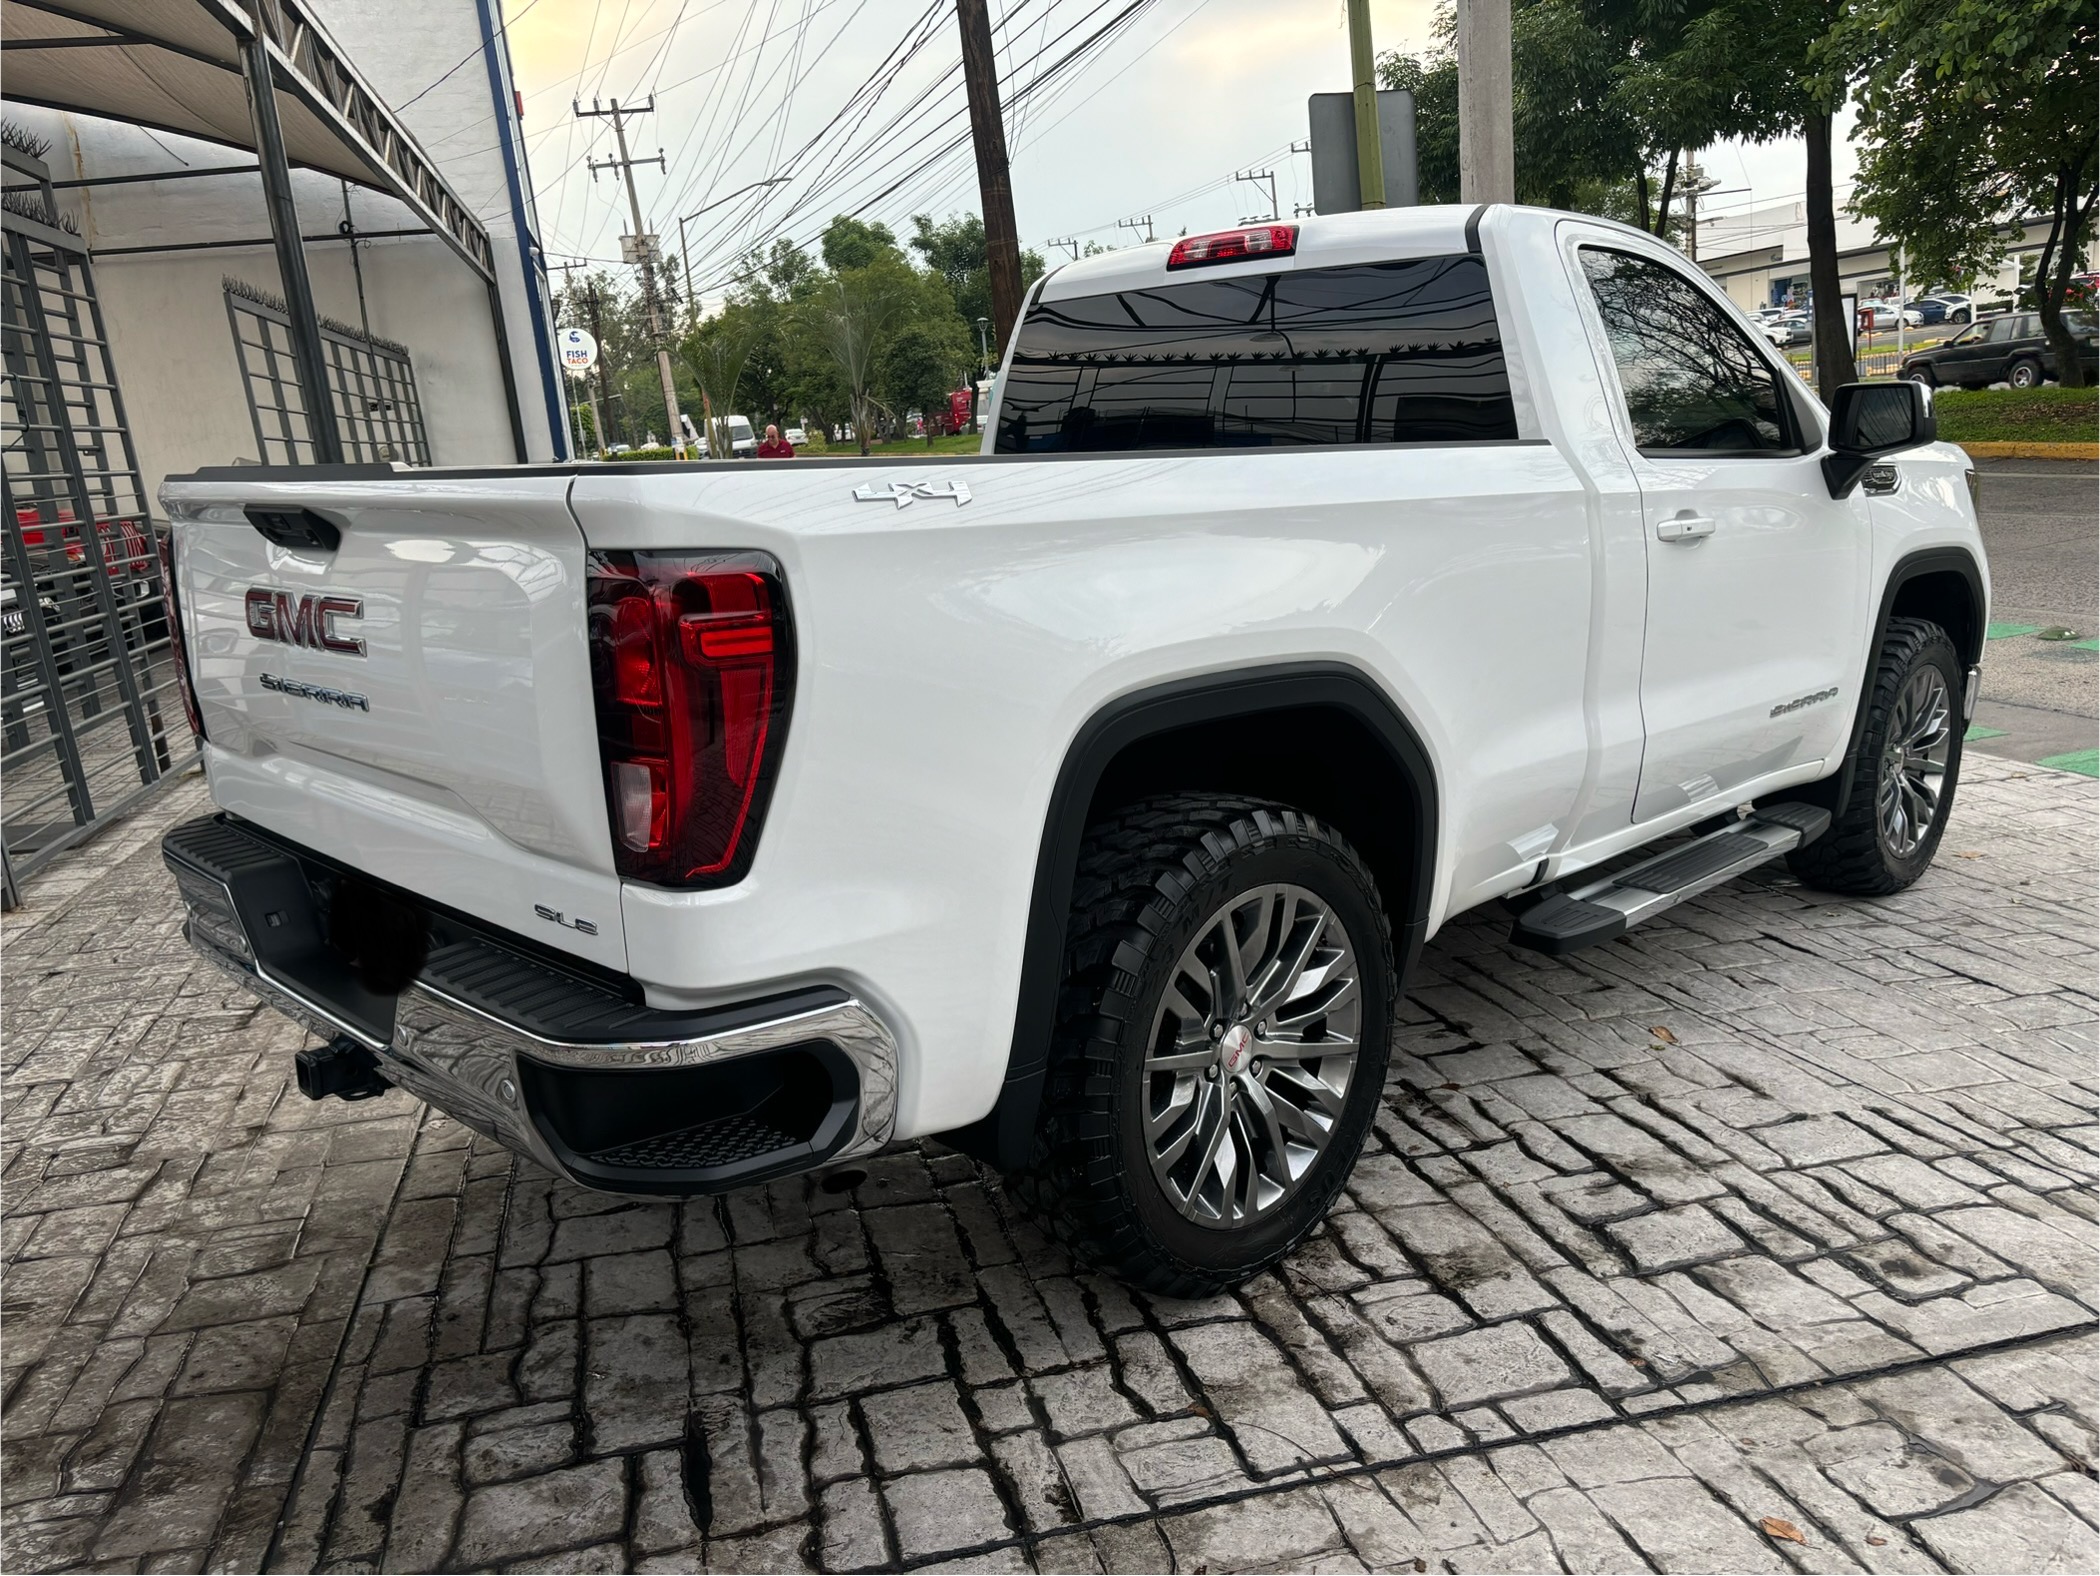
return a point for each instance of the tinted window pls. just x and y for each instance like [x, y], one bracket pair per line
[1381, 353]
[2029, 327]
[1691, 377]
[2001, 329]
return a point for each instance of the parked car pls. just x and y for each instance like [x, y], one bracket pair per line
[1928, 310]
[1087, 800]
[1877, 315]
[1794, 328]
[2008, 349]
[796, 436]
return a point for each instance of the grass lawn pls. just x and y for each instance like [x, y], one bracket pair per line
[2043, 415]
[912, 448]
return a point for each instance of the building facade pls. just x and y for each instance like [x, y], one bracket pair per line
[1760, 256]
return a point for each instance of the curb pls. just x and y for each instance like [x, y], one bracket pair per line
[2033, 451]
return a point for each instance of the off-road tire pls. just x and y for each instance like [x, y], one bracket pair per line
[1150, 877]
[1852, 856]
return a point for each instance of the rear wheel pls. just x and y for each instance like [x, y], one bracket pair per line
[1221, 1042]
[1884, 836]
[2024, 374]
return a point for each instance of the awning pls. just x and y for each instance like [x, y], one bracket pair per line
[175, 65]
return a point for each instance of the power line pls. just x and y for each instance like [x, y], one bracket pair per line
[1044, 79]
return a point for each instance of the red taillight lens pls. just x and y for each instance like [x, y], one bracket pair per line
[1232, 246]
[691, 667]
[178, 653]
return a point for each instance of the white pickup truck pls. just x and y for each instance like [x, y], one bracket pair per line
[1086, 801]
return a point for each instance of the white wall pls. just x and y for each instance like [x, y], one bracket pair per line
[173, 347]
[170, 338]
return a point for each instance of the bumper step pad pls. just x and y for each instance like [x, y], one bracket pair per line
[1603, 910]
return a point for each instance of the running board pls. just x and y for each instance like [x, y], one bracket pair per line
[1570, 921]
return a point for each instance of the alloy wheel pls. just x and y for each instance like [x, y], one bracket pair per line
[1251, 1054]
[1914, 763]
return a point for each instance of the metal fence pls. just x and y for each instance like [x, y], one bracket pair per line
[90, 719]
[370, 380]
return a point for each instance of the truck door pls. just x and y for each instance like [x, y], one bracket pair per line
[1757, 577]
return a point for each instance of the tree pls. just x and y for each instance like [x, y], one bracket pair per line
[955, 250]
[846, 319]
[851, 243]
[717, 353]
[1606, 96]
[1979, 113]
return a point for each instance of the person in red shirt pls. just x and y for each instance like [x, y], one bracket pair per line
[774, 446]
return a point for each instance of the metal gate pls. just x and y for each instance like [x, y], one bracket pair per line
[90, 720]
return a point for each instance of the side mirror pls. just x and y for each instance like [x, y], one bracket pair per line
[1869, 420]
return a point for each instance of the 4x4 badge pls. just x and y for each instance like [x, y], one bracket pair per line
[904, 493]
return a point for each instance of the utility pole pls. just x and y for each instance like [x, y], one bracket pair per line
[1135, 225]
[1069, 242]
[1261, 180]
[644, 249]
[1487, 164]
[1370, 149]
[995, 191]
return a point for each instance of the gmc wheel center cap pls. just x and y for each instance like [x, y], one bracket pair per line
[1234, 1046]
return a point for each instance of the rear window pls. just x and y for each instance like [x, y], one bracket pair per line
[1405, 352]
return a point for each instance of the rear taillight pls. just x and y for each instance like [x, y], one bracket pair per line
[178, 653]
[1234, 246]
[692, 668]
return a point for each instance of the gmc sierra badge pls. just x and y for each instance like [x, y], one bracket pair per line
[304, 620]
[319, 692]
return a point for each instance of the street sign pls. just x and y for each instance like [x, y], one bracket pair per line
[1333, 118]
[641, 249]
[579, 352]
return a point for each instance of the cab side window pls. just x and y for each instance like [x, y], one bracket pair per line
[1691, 377]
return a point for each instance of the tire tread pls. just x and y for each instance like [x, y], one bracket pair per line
[1137, 872]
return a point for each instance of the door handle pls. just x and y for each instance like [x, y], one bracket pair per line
[1684, 528]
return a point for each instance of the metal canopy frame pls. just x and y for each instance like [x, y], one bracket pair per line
[275, 41]
[308, 67]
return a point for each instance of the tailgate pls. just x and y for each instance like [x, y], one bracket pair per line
[400, 680]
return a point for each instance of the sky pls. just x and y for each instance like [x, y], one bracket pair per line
[1154, 120]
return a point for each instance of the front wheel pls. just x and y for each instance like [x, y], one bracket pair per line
[1884, 836]
[1221, 1042]
[1924, 375]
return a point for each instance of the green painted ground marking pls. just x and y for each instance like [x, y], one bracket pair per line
[2007, 631]
[2086, 645]
[2084, 762]
[1978, 731]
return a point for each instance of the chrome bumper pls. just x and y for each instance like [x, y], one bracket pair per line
[469, 1062]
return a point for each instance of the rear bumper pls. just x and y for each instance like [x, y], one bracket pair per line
[565, 1068]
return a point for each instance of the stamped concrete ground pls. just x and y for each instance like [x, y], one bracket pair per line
[1760, 1240]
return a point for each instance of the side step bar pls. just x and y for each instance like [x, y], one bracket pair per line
[1570, 921]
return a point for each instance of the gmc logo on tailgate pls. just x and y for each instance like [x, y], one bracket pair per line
[304, 620]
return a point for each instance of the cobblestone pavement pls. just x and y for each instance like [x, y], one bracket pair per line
[1772, 1222]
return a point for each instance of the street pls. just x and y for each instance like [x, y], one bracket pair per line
[1761, 1240]
[2038, 526]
